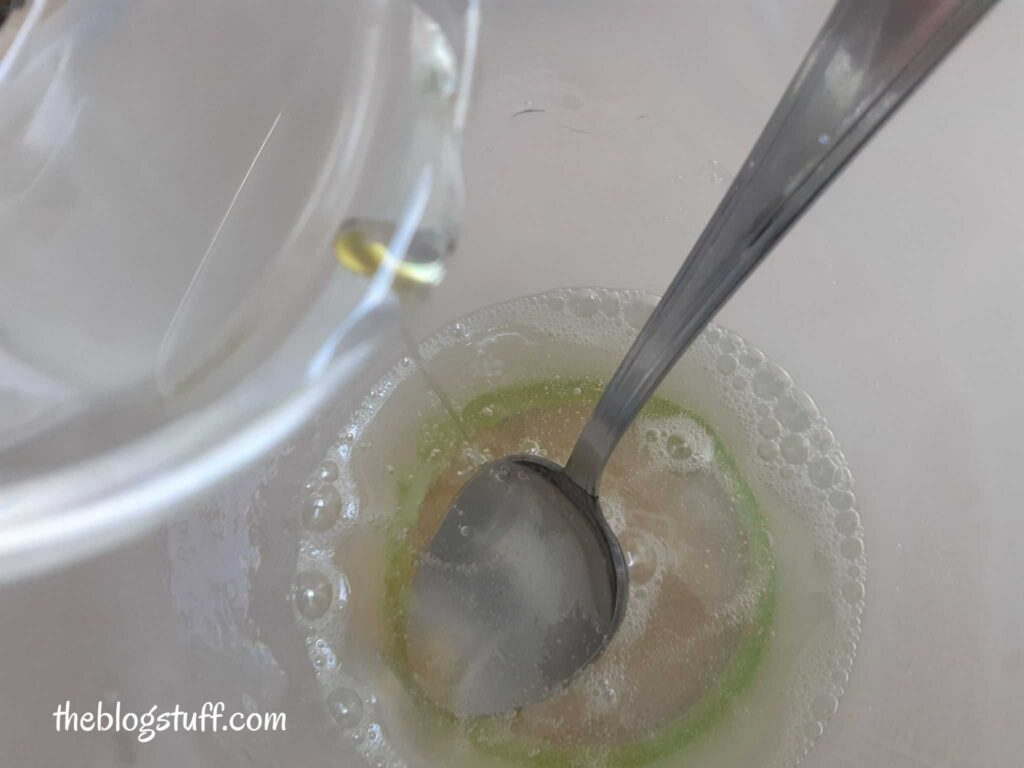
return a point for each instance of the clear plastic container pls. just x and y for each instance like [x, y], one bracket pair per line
[600, 141]
[176, 179]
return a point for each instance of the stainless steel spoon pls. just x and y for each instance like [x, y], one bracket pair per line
[524, 583]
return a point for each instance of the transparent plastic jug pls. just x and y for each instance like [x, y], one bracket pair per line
[176, 180]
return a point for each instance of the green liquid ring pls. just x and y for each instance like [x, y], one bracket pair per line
[437, 448]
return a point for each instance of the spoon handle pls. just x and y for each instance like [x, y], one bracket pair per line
[867, 58]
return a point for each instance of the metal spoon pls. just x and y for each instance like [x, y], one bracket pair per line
[524, 583]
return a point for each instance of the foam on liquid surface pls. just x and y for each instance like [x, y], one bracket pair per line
[730, 496]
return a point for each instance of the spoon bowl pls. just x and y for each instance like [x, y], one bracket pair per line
[522, 585]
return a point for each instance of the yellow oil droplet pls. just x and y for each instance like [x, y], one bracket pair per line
[362, 247]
